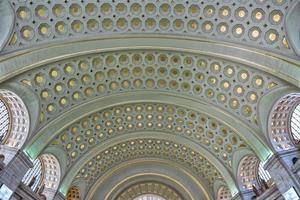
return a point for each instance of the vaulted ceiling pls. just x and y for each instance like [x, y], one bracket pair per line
[169, 94]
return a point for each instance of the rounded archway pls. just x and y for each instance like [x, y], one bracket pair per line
[295, 123]
[149, 197]
[150, 190]
[14, 123]
[252, 174]
[44, 177]
[223, 193]
[284, 122]
[5, 120]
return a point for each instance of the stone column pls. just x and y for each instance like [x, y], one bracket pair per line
[15, 170]
[281, 166]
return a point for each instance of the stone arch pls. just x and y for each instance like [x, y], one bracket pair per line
[60, 155]
[157, 134]
[251, 173]
[44, 177]
[133, 172]
[74, 193]
[283, 120]
[223, 193]
[84, 167]
[52, 174]
[5, 120]
[149, 197]
[15, 120]
[217, 186]
[149, 191]
[247, 172]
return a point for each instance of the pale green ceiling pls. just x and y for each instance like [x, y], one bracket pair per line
[197, 75]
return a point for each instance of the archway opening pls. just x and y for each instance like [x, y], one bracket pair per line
[44, 177]
[251, 174]
[149, 197]
[223, 193]
[14, 124]
[284, 123]
[295, 123]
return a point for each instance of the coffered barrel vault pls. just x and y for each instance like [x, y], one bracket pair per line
[149, 99]
[233, 86]
[258, 23]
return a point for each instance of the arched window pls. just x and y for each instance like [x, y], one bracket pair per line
[149, 197]
[33, 177]
[295, 123]
[14, 124]
[52, 171]
[149, 190]
[19, 116]
[51, 175]
[224, 193]
[264, 174]
[44, 177]
[74, 193]
[251, 172]
[284, 122]
[5, 120]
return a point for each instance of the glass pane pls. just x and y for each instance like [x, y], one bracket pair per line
[4, 120]
[36, 172]
[263, 174]
[295, 123]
